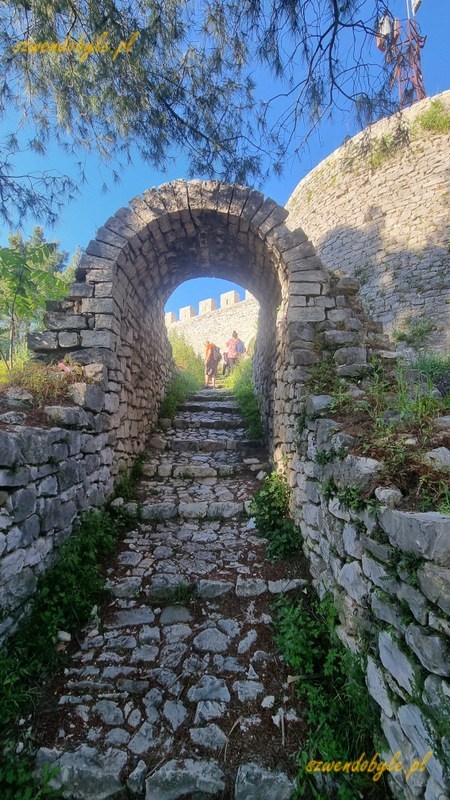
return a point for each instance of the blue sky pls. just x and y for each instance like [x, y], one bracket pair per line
[83, 216]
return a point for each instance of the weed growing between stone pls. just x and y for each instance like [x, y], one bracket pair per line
[63, 601]
[241, 383]
[341, 717]
[415, 331]
[270, 508]
[393, 424]
[351, 498]
[125, 484]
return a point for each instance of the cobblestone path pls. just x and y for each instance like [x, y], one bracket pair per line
[176, 690]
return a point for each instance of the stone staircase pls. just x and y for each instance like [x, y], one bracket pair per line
[176, 690]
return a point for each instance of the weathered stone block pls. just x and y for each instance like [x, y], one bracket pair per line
[390, 612]
[416, 602]
[426, 534]
[90, 397]
[304, 357]
[69, 416]
[379, 575]
[415, 727]
[11, 565]
[99, 305]
[396, 662]
[431, 650]
[434, 582]
[439, 458]
[78, 290]
[315, 404]
[9, 450]
[61, 321]
[348, 285]
[350, 355]
[341, 337]
[102, 338]
[21, 504]
[356, 471]
[68, 339]
[89, 772]
[377, 687]
[14, 477]
[44, 340]
[352, 580]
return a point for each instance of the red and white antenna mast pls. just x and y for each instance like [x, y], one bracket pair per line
[401, 41]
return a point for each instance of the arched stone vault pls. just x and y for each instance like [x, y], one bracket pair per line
[114, 314]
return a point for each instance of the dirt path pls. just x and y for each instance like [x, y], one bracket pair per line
[176, 690]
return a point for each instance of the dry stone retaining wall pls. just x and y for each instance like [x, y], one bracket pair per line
[388, 571]
[47, 478]
[378, 209]
[216, 324]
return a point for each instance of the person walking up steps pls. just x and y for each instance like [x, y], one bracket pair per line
[232, 350]
[212, 358]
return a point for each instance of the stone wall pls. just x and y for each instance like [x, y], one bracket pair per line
[48, 477]
[216, 324]
[388, 570]
[378, 209]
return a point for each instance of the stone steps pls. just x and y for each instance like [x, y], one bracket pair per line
[149, 703]
[217, 408]
[182, 423]
[212, 469]
[212, 445]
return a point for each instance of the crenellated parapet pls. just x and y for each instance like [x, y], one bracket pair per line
[216, 323]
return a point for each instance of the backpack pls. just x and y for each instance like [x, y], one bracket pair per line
[240, 348]
[216, 355]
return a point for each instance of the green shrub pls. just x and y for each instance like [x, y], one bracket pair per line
[436, 118]
[340, 716]
[186, 359]
[415, 331]
[63, 600]
[270, 507]
[241, 383]
[188, 378]
[179, 388]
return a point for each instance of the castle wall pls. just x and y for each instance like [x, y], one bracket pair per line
[216, 324]
[378, 209]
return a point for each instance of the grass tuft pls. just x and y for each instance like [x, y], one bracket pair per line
[436, 118]
[46, 383]
[241, 383]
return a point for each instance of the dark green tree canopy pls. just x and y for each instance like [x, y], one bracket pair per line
[187, 83]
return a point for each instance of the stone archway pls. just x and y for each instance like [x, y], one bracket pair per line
[114, 314]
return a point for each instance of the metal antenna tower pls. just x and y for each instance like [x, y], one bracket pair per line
[401, 41]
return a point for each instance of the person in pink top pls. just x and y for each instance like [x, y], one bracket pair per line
[232, 350]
